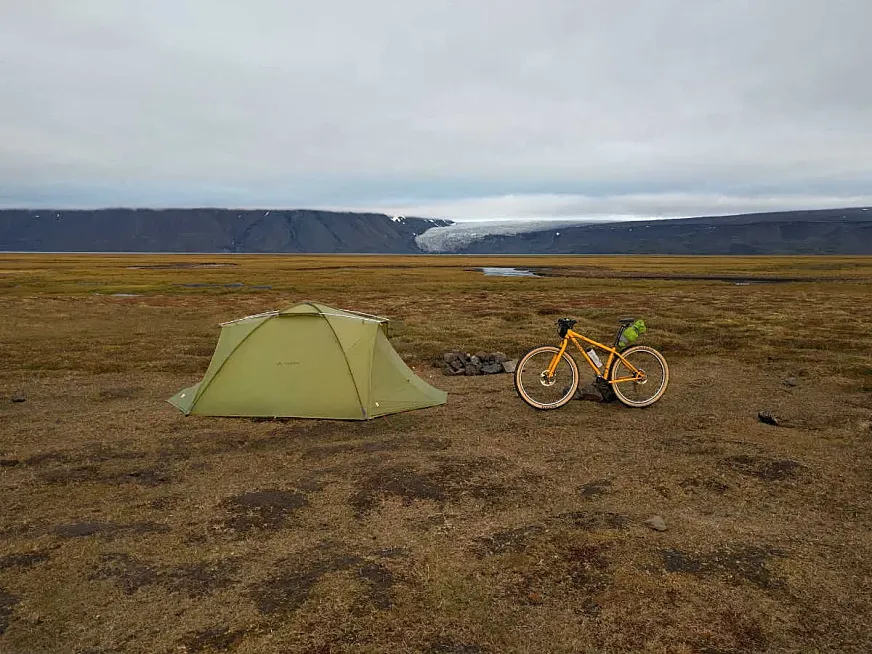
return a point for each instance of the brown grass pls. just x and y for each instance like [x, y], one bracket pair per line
[479, 526]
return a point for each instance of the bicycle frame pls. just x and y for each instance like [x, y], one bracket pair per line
[575, 337]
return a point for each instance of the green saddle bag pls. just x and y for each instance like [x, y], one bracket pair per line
[631, 333]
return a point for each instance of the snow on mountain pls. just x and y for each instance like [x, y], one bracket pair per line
[420, 225]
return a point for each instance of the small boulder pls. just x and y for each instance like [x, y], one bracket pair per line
[588, 392]
[605, 389]
[448, 357]
[656, 523]
[492, 368]
[457, 364]
[472, 369]
[475, 360]
[509, 366]
[19, 397]
[767, 418]
[498, 357]
[791, 382]
[448, 370]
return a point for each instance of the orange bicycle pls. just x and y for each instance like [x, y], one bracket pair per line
[547, 376]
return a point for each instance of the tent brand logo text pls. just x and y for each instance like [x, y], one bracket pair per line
[287, 363]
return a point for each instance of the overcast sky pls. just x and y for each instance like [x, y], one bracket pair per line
[458, 109]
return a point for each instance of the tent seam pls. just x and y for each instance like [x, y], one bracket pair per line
[345, 356]
[229, 356]
[371, 359]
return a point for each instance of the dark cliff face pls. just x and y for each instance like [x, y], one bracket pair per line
[830, 231]
[208, 230]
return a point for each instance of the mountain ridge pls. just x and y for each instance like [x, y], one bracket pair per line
[819, 231]
[216, 230]
[209, 230]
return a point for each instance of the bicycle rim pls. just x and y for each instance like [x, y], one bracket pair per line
[656, 376]
[536, 388]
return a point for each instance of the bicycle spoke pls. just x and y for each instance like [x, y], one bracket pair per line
[540, 389]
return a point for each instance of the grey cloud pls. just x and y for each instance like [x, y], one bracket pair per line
[397, 103]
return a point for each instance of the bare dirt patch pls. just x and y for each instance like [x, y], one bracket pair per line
[704, 484]
[452, 479]
[7, 604]
[269, 509]
[595, 488]
[214, 639]
[765, 468]
[24, 560]
[47, 457]
[82, 529]
[509, 540]
[380, 581]
[146, 477]
[593, 520]
[287, 590]
[744, 563]
[517, 539]
[194, 580]
[445, 646]
[127, 572]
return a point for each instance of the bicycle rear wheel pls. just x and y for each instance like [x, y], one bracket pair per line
[536, 388]
[644, 392]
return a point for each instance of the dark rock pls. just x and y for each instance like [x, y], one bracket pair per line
[480, 363]
[9, 463]
[19, 397]
[509, 366]
[768, 418]
[588, 392]
[448, 370]
[605, 389]
[791, 381]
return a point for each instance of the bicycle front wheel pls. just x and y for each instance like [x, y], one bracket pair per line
[642, 392]
[536, 387]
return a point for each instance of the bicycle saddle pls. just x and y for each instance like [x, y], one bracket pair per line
[626, 321]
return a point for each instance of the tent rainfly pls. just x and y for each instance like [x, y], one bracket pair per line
[308, 361]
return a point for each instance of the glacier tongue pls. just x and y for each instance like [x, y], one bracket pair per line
[456, 237]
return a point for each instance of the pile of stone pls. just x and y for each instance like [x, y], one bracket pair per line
[480, 363]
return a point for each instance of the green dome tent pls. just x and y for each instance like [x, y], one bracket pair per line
[309, 361]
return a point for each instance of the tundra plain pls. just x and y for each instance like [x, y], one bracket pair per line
[475, 527]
